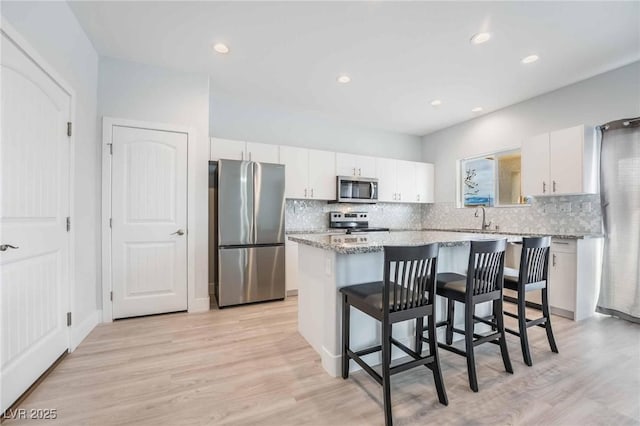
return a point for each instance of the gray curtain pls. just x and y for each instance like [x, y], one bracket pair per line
[620, 193]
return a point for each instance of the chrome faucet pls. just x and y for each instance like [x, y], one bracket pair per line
[485, 225]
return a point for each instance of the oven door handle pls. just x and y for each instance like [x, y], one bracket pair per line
[373, 190]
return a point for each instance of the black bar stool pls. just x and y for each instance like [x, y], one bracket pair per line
[532, 275]
[483, 283]
[406, 292]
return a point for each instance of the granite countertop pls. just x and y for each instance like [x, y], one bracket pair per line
[522, 234]
[335, 231]
[375, 241]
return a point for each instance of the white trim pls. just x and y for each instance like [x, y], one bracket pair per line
[200, 304]
[33, 54]
[81, 331]
[193, 304]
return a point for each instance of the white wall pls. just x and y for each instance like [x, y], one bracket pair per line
[141, 92]
[237, 119]
[606, 97]
[52, 29]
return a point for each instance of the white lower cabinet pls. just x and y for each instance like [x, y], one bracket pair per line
[562, 282]
[574, 276]
[291, 262]
[309, 173]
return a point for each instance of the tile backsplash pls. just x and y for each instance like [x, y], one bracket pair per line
[575, 214]
[313, 215]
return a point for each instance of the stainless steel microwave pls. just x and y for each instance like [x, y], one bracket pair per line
[352, 189]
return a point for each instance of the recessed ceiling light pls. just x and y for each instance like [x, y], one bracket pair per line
[221, 48]
[344, 79]
[436, 102]
[480, 38]
[530, 59]
[477, 109]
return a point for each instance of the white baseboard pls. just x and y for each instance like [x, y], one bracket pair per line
[80, 331]
[200, 304]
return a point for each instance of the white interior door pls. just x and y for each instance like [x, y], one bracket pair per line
[149, 221]
[34, 273]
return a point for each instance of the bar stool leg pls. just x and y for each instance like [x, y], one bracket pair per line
[503, 340]
[547, 325]
[522, 328]
[419, 333]
[435, 367]
[468, 339]
[450, 318]
[386, 373]
[346, 311]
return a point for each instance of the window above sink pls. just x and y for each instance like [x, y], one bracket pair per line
[490, 180]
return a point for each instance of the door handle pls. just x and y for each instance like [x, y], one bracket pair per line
[305, 193]
[311, 192]
[373, 190]
[5, 247]
[178, 232]
[359, 172]
[554, 259]
[544, 187]
[554, 186]
[354, 171]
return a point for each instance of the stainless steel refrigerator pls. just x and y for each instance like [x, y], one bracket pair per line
[250, 232]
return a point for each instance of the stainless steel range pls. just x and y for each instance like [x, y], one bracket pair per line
[353, 222]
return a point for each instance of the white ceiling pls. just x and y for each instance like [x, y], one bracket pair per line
[400, 55]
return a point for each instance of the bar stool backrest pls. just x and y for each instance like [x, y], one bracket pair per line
[534, 260]
[486, 266]
[409, 276]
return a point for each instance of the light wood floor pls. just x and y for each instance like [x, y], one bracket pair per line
[249, 366]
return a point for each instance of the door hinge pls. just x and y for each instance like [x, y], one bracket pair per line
[68, 224]
[69, 126]
[110, 148]
[111, 296]
[68, 319]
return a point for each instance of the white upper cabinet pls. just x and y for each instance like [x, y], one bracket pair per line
[425, 178]
[309, 173]
[322, 175]
[296, 166]
[229, 149]
[535, 165]
[355, 165]
[404, 181]
[386, 174]
[561, 162]
[263, 153]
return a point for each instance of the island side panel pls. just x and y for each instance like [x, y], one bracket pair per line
[313, 278]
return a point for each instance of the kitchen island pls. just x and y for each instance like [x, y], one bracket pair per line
[328, 262]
